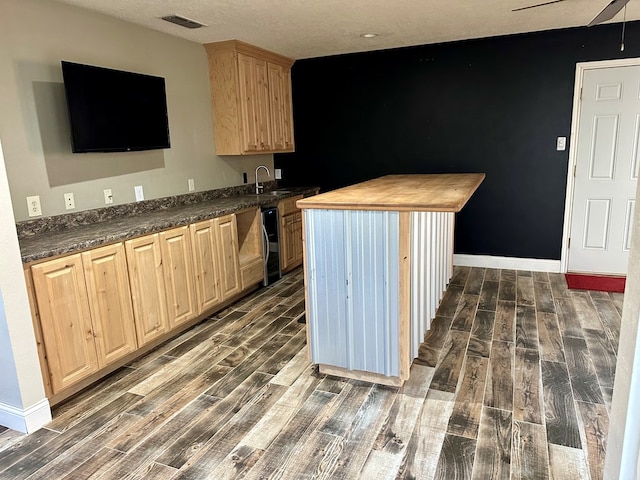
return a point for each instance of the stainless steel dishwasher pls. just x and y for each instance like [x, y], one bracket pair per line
[271, 244]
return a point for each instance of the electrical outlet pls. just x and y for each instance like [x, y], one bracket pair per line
[139, 193]
[108, 197]
[192, 185]
[69, 202]
[33, 206]
[278, 173]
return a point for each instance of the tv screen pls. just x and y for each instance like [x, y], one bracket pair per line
[115, 111]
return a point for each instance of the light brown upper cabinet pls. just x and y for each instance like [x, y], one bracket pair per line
[251, 98]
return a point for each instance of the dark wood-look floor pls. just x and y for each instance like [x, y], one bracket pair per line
[513, 381]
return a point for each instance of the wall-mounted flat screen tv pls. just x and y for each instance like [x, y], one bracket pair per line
[115, 111]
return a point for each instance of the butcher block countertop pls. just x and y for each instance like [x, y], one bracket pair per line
[419, 192]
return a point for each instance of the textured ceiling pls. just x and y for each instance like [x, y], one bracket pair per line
[316, 28]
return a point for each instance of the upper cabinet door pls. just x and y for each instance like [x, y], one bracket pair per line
[251, 98]
[281, 111]
[105, 271]
[65, 319]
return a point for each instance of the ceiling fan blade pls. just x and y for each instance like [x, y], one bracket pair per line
[608, 12]
[538, 5]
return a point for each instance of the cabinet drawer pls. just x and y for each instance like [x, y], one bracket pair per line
[288, 205]
[252, 273]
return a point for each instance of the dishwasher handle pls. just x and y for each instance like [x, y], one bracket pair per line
[265, 244]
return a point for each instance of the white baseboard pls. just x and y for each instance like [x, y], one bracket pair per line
[508, 263]
[25, 421]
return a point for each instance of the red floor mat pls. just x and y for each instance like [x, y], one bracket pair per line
[595, 282]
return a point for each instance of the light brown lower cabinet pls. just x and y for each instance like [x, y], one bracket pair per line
[94, 308]
[85, 313]
[291, 232]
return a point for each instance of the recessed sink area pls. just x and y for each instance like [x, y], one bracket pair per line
[276, 192]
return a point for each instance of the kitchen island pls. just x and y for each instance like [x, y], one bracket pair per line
[377, 258]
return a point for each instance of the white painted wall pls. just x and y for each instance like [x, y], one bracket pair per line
[35, 36]
[21, 388]
[623, 445]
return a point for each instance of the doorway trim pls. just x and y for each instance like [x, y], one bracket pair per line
[581, 67]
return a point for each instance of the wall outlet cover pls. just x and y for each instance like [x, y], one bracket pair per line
[192, 185]
[33, 206]
[139, 193]
[69, 201]
[278, 173]
[108, 196]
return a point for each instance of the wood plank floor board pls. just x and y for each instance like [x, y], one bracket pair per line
[295, 310]
[483, 325]
[244, 369]
[558, 284]
[450, 362]
[488, 299]
[79, 433]
[500, 376]
[507, 289]
[559, 406]
[549, 337]
[584, 380]
[567, 463]
[206, 425]
[594, 422]
[358, 441]
[460, 275]
[215, 450]
[73, 458]
[529, 454]
[610, 319]
[526, 328]
[527, 392]
[429, 350]
[456, 458]
[505, 322]
[275, 419]
[421, 455]
[524, 291]
[162, 413]
[465, 417]
[474, 281]
[479, 347]
[493, 448]
[449, 303]
[93, 467]
[586, 314]
[544, 297]
[387, 433]
[602, 355]
[465, 313]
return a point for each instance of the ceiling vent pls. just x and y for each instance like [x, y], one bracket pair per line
[183, 21]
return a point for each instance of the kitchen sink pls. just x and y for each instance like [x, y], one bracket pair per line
[276, 192]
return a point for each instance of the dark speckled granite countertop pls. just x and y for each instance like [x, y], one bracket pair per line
[75, 238]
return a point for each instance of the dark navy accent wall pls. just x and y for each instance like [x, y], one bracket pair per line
[492, 105]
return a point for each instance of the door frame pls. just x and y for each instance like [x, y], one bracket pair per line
[581, 68]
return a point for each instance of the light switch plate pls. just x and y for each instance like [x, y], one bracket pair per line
[561, 143]
[192, 185]
[278, 173]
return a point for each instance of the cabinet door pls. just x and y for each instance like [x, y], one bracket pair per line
[105, 273]
[263, 109]
[65, 319]
[288, 242]
[205, 264]
[280, 103]
[227, 235]
[247, 100]
[175, 246]
[147, 287]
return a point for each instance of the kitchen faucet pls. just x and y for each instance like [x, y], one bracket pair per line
[259, 186]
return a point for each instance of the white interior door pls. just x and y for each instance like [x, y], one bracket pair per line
[606, 171]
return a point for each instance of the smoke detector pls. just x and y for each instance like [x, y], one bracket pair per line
[183, 21]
